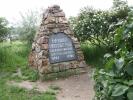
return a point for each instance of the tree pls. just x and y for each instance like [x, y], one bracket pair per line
[120, 9]
[4, 30]
[98, 26]
[28, 26]
[115, 80]
[92, 25]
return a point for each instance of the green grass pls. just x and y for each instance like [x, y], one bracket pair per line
[93, 54]
[14, 93]
[14, 57]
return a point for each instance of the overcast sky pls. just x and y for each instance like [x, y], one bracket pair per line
[11, 8]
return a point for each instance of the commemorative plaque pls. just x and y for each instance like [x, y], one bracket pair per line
[55, 48]
[61, 48]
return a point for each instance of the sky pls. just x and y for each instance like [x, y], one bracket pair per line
[10, 9]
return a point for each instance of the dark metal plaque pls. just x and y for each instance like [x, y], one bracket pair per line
[61, 48]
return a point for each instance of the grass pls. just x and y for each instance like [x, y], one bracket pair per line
[93, 54]
[14, 66]
[14, 93]
[14, 54]
[14, 57]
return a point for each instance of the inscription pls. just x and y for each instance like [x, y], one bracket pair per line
[61, 48]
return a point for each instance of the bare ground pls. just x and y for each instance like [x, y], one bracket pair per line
[77, 87]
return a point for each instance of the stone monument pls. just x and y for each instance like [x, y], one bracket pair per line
[55, 48]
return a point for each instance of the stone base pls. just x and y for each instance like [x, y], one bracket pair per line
[63, 66]
[63, 74]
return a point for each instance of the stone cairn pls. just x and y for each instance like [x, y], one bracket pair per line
[53, 21]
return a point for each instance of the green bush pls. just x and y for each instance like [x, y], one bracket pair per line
[93, 55]
[115, 81]
[98, 26]
[4, 29]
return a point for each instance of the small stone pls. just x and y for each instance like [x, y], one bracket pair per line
[59, 14]
[44, 46]
[51, 26]
[42, 40]
[44, 54]
[80, 57]
[44, 62]
[39, 55]
[50, 19]
[62, 20]
[60, 25]
[40, 34]
[66, 64]
[55, 30]
[82, 64]
[37, 48]
[71, 65]
[56, 69]
[31, 59]
[62, 67]
[67, 31]
[77, 46]
[39, 63]
[74, 39]
[57, 7]
[44, 70]
[33, 46]
[80, 52]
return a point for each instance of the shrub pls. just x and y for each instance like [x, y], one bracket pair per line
[115, 81]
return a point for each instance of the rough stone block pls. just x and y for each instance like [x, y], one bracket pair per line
[59, 14]
[62, 20]
[31, 59]
[55, 30]
[45, 62]
[62, 67]
[44, 46]
[77, 46]
[37, 48]
[82, 64]
[50, 19]
[42, 40]
[56, 69]
[51, 26]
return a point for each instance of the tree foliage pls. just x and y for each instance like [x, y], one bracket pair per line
[27, 26]
[4, 30]
[98, 26]
[115, 81]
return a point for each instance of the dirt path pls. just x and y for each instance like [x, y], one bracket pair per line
[78, 87]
